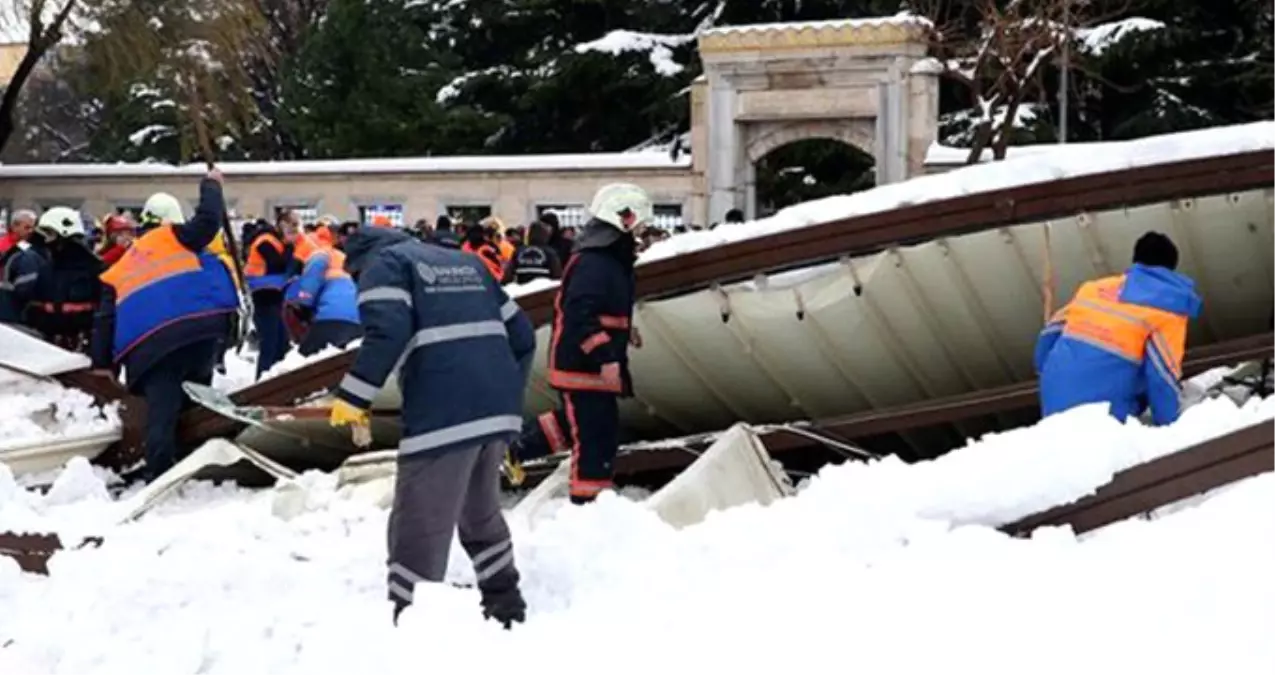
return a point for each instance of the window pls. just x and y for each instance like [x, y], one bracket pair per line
[392, 211]
[569, 215]
[468, 214]
[668, 216]
[308, 214]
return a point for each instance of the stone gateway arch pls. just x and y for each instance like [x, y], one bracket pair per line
[864, 82]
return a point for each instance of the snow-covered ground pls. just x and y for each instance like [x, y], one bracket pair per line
[883, 568]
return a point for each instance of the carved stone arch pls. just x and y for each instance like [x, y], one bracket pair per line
[766, 137]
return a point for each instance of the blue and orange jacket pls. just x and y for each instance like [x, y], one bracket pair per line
[168, 291]
[324, 286]
[1120, 341]
[267, 267]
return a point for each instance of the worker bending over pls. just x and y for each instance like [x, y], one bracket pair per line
[465, 351]
[1121, 339]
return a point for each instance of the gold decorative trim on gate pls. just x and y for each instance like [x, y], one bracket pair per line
[779, 36]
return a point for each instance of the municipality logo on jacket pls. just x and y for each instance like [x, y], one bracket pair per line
[449, 278]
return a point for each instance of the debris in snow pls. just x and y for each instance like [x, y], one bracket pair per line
[232, 588]
[241, 370]
[33, 411]
[1097, 39]
[660, 47]
[77, 482]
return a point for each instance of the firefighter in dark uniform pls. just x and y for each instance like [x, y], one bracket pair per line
[588, 353]
[68, 290]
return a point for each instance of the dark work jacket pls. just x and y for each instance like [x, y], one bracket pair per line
[533, 262]
[462, 349]
[445, 238]
[68, 291]
[593, 313]
[195, 235]
[20, 269]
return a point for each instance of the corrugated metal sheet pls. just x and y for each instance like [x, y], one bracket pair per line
[956, 314]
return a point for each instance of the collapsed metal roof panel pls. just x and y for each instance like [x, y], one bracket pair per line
[895, 325]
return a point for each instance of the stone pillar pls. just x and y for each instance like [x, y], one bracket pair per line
[726, 160]
[923, 115]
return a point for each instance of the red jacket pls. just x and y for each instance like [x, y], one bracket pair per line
[8, 241]
[112, 254]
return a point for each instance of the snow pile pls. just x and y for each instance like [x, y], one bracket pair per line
[211, 582]
[660, 47]
[35, 411]
[1097, 39]
[241, 370]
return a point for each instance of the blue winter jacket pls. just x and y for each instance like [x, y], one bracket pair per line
[1121, 340]
[331, 299]
[186, 298]
[461, 347]
[19, 281]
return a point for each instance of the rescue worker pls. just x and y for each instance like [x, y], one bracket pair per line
[444, 235]
[496, 234]
[324, 299]
[266, 274]
[557, 237]
[536, 260]
[67, 289]
[478, 241]
[20, 227]
[466, 352]
[1121, 339]
[19, 270]
[119, 232]
[166, 307]
[588, 353]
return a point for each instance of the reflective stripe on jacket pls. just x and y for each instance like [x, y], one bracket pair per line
[462, 349]
[159, 282]
[1121, 341]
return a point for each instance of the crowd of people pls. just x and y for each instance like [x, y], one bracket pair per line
[157, 305]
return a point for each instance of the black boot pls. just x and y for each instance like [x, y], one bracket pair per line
[506, 607]
[398, 609]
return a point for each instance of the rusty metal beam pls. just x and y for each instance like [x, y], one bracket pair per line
[1141, 489]
[935, 412]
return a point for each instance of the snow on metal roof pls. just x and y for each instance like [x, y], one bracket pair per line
[620, 161]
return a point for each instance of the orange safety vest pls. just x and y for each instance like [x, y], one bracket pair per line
[1097, 317]
[255, 269]
[490, 256]
[159, 282]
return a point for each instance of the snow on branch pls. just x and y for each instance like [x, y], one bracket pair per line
[997, 51]
[659, 47]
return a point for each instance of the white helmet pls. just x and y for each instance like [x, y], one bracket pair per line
[163, 208]
[60, 221]
[612, 201]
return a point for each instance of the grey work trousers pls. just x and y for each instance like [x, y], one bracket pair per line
[435, 495]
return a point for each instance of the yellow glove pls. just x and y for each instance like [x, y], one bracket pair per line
[359, 420]
[512, 468]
